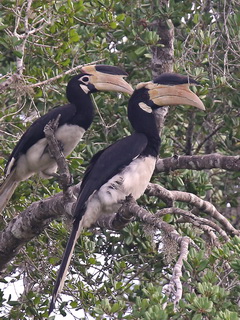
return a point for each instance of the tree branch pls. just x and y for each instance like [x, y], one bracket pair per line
[192, 199]
[200, 162]
[63, 74]
[202, 223]
[16, 77]
[131, 208]
[64, 178]
[175, 288]
[208, 137]
[27, 225]
[32, 221]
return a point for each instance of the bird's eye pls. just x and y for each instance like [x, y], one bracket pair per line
[84, 79]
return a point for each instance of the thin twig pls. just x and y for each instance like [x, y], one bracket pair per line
[208, 137]
[62, 74]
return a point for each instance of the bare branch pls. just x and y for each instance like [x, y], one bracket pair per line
[16, 77]
[175, 285]
[199, 222]
[209, 232]
[199, 162]
[27, 225]
[132, 208]
[62, 74]
[190, 198]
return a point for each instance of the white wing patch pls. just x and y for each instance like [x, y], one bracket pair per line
[145, 107]
[132, 180]
[10, 165]
[37, 158]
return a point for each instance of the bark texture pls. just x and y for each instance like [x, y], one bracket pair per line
[200, 162]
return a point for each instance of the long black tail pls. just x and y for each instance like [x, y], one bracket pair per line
[76, 230]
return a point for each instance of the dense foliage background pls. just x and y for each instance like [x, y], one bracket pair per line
[122, 275]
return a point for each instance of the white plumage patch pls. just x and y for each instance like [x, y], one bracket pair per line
[37, 158]
[132, 180]
[145, 107]
[84, 88]
[9, 167]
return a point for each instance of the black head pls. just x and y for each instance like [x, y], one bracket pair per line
[97, 78]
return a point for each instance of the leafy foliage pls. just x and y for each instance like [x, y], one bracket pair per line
[123, 275]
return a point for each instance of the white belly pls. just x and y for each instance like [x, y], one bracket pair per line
[133, 180]
[37, 158]
[69, 135]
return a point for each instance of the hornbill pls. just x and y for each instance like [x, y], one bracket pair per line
[31, 155]
[126, 166]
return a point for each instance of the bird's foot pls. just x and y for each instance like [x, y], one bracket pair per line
[65, 181]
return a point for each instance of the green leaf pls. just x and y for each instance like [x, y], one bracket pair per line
[140, 51]
[197, 317]
[74, 304]
[17, 54]
[13, 303]
[120, 17]
[113, 25]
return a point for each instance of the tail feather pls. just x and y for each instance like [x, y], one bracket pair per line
[7, 189]
[77, 228]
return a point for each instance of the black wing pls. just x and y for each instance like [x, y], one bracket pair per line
[107, 163]
[35, 131]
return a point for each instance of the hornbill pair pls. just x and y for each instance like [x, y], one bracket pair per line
[126, 166]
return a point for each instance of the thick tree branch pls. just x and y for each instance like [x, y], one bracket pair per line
[192, 199]
[130, 207]
[162, 54]
[209, 161]
[27, 225]
[32, 221]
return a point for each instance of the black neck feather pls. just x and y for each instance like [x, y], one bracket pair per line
[144, 122]
[82, 102]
